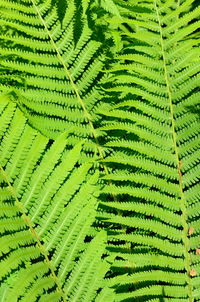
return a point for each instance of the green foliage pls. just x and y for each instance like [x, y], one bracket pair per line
[48, 205]
[99, 151]
[156, 155]
[54, 68]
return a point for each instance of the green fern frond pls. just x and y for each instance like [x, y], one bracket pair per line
[57, 78]
[48, 204]
[92, 267]
[84, 150]
[155, 135]
[110, 6]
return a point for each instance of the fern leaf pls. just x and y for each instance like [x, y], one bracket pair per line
[47, 204]
[56, 75]
[88, 264]
[155, 138]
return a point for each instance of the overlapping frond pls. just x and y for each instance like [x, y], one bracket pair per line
[56, 103]
[55, 78]
[154, 131]
[48, 204]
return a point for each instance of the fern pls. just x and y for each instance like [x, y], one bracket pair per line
[47, 209]
[156, 141]
[99, 150]
[55, 73]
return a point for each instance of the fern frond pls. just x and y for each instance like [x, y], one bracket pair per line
[47, 204]
[56, 78]
[90, 263]
[154, 132]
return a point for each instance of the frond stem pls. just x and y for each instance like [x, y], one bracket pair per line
[178, 163]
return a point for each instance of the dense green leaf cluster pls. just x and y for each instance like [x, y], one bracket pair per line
[99, 150]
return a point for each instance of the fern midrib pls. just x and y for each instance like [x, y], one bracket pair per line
[178, 161]
[34, 234]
